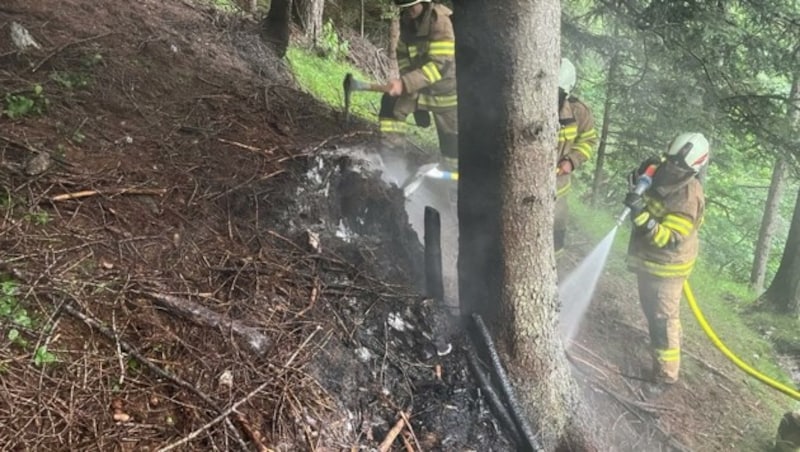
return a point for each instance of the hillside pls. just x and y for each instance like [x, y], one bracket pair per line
[194, 257]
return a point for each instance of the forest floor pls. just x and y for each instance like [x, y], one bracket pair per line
[192, 257]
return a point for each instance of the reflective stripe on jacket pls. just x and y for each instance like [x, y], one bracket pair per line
[426, 58]
[669, 247]
[577, 138]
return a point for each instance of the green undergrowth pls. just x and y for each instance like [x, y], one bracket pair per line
[725, 304]
[323, 77]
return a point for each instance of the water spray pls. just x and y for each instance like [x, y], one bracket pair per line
[431, 170]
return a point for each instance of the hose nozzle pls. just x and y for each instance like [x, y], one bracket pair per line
[642, 184]
[621, 218]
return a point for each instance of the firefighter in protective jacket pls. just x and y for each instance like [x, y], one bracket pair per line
[664, 245]
[427, 83]
[576, 139]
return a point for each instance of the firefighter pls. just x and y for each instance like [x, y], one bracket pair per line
[664, 245]
[427, 83]
[576, 139]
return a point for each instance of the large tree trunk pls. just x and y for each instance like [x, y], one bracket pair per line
[785, 288]
[598, 178]
[275, 27]
[767, 230]
[394, 38]
[311, 14]
[507, 121]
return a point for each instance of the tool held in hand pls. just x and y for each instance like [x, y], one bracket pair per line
[351, 84]
[642, 184]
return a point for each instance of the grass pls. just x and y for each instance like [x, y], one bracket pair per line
[323, 77]
[726, 306]
[721, 301]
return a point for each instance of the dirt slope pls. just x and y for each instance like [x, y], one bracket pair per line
[202, 178]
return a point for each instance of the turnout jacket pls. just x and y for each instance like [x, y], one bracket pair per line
[426, 58]
[664, 241]
[576, 139]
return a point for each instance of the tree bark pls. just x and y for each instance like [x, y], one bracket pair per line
[767, 230]
[507, 121]
[394, 38]
[784, 290]
[275, 27]
[597, 179]
[311, 15]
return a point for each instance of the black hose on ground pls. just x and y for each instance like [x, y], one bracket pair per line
[494, 400]
[434, 281]
[520, 421]
[522, 434]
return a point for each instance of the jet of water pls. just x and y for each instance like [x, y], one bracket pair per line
[576, 290]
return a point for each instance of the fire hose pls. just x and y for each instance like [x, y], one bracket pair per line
[698, 314]
[530, 441]
[510, 416]
[642, 183]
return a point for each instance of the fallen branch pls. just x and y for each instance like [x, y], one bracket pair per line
[404, 415]
[257, 342]
[64, 46]
[386, 444]
[312, 149]
[635, 408]
[222, 416]
[110, 192]
[247, 146]
[96, 325]
[238, 403]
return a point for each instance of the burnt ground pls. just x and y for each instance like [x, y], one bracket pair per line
[200, 244]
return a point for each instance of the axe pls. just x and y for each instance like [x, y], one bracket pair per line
[353, 84]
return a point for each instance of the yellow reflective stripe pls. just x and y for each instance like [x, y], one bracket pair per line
[661, 236]
[427, 100]
[669, 354]
[591, 133]
[568, 133]
[642, 218]
[583, 148]
[412, 51]
[563, 190]
[392, 126]
[442, 48]
[678, 223]
[403, 63]
[431, 72]
[662, 270]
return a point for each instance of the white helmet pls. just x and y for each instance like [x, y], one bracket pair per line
[407, 3]
[690, 150]
[566, 76]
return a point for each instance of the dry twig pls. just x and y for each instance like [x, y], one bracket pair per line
[64, 46]
[386, 444]
[109, 192]
[224, 415]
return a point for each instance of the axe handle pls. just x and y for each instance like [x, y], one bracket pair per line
[378, 88]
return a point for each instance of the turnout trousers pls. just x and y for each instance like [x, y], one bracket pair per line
[395, 110]
[660, 299]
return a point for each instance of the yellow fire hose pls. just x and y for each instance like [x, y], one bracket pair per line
[687, 291]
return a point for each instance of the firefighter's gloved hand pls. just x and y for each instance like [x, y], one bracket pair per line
[422, 118]
[643, 221]
[635, 202]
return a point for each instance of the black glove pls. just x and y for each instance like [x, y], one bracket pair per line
[422, 118]
[635, 202]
